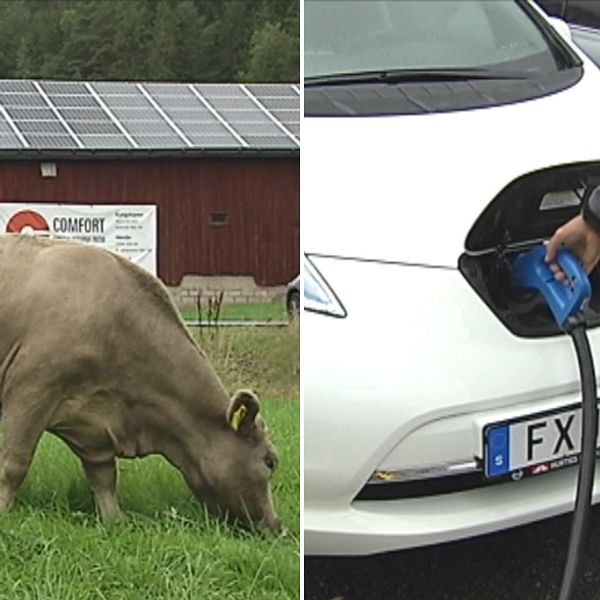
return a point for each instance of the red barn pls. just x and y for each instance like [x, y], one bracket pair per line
[219, 162]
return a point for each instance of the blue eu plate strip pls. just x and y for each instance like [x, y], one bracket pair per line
[498, 439]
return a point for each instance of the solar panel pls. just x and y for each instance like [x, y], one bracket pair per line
[232, 103]
[219, 90]
[64, 87]
[74, 101]
[192, 117]
[190, 102]
[84, 114]
[166, 89]
[263, 129]
[136, 100]
[200, 115]
[5, 128]
[125, 112]
[159, 141]
[8, 140]
[291, 116]
[13, 100]
[112, 87]
[214, 128]
[41, 127]
[244, 120]
[17, 86]
[51, 141]
[280, 103]
[251, 114]
[79, 111]
[146, 126]
[104, 115]
[270, 90]
[105, 142]
[86, 128]
[293, 128]
[32, 114]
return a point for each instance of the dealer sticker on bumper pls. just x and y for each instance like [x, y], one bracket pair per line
[533, 444]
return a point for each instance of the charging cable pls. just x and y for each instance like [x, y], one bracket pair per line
[567, 302]
[585, 480]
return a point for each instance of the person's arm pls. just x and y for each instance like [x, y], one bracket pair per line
[581, 235]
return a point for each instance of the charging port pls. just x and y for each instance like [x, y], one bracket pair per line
[523, 214]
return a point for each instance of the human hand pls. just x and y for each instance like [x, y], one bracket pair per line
[581, 239]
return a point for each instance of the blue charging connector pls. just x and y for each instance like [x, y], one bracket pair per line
[564, 298]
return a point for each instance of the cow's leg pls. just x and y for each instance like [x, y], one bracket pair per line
[102, 478]
[19, 442]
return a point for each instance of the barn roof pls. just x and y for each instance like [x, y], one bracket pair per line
[60, 118]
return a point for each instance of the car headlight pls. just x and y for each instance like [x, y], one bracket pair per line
[318, 296]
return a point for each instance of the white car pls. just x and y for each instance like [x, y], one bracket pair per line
[439, 140]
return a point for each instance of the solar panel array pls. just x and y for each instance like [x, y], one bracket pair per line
[52, 115]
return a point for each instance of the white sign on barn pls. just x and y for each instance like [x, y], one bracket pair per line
[129, 230]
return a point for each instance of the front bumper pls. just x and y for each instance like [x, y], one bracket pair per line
[406, 380]
[369, 527]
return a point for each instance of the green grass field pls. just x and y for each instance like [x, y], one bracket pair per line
[273, 311]
[52, 545]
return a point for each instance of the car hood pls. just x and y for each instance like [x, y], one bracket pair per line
[409, 188]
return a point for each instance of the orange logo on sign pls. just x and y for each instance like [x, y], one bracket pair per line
[26, 221]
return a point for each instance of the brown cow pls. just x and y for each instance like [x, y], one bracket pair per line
[93, 350]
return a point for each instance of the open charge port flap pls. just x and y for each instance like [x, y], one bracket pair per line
[523, 214]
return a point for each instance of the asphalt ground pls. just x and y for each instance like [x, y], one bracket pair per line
[524, 563]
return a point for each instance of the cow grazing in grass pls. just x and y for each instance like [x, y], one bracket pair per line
[93, 350]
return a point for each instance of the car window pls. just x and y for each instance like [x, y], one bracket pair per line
[355, 36]
[584, 12]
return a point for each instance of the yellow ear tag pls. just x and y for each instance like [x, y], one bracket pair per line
[237, 417]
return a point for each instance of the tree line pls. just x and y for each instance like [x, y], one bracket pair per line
[151, 40]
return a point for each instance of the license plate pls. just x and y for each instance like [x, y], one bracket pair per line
[533, 444]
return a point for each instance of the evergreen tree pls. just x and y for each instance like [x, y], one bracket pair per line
[39, 41]
[235, 26]
[274, 55]
[13, 19]
[163, 43]
[131, 40]
[196, 58]
[162, 40]
[88, 29]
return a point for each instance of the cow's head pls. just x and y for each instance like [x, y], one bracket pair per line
[238, 466]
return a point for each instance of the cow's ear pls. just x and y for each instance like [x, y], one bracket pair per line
[242, 411]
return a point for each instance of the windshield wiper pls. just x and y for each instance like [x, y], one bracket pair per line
[413, 75]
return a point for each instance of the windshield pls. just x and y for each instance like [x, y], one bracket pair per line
[344, 37]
